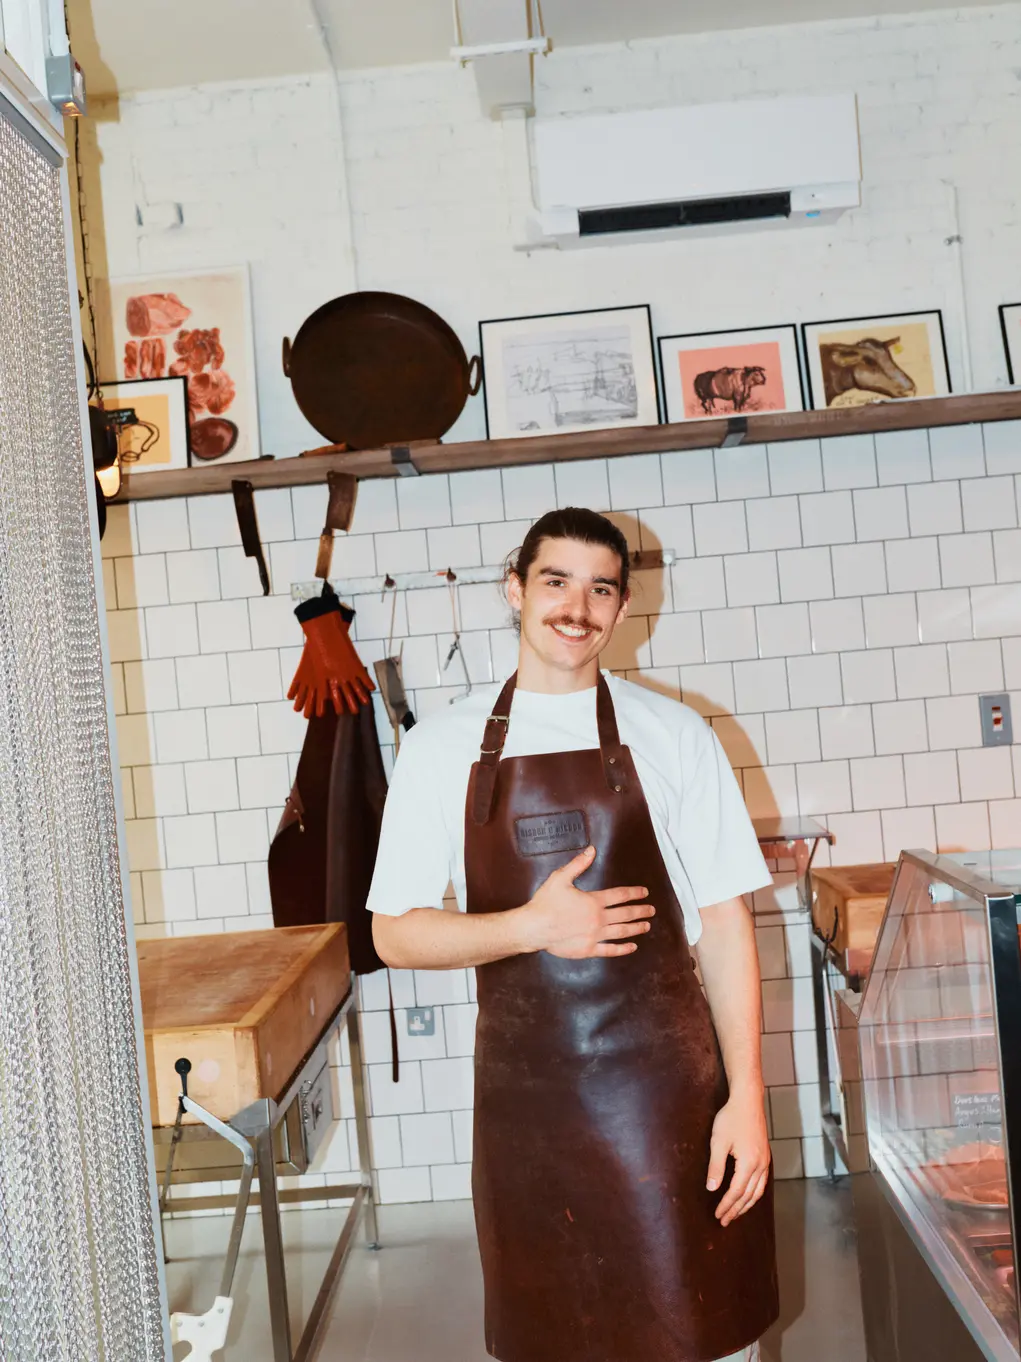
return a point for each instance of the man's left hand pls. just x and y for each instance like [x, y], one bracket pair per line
[739, 1130]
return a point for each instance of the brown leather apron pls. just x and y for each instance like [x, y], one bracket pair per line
[596, 1086]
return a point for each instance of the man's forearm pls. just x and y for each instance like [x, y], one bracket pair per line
[433, 938]
[729, 964]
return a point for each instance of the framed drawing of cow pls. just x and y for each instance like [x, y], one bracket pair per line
[727, 373]
[1010, 322]
[569, 371]
[876, 359]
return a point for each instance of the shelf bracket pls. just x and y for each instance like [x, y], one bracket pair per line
[737, 429]
[400, 457]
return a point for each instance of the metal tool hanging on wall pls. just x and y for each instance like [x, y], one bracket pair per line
[455, 647]
[389, 677]
[339, 511]
[248, 524]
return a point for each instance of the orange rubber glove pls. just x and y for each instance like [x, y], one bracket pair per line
[329, 668]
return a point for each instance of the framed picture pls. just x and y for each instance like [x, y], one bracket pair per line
[158, 437]
[569, 371]
[196, 326]
[1010, 322]
[727, 373]
[876, 359]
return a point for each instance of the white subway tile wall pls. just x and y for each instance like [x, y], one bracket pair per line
[837, 605]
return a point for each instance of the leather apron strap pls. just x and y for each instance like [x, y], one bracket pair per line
[492, 749]
[495, 736]
[609, 739]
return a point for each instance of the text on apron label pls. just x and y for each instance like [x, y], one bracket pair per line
[548, 832]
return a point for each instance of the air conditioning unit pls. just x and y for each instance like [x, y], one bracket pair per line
[658, 173]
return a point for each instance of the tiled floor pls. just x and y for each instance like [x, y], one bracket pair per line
[420, 1298]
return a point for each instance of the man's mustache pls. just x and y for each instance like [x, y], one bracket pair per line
[572, 621]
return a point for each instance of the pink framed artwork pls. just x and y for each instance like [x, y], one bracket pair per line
[731, 373]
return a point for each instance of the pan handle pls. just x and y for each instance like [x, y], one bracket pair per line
[475, 367]
[287, 356]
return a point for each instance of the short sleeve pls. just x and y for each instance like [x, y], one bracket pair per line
[413, 863]
[713, 833]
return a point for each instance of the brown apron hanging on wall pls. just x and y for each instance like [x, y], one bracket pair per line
[324, 849]
[596, 1086]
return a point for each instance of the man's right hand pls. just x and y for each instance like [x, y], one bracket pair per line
[577, 924]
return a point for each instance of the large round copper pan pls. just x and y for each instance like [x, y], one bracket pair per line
[372, 368]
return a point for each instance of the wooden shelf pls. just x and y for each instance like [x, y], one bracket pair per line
[1003, 405]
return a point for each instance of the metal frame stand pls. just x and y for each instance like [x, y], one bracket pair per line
[793, 835]
[253, 1129]
[798, 839]
[833, 1140]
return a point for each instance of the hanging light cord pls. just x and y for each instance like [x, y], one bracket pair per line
[83, 237]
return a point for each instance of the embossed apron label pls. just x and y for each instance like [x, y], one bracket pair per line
[548, 832]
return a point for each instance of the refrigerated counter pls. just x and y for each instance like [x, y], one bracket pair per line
[940, 1039]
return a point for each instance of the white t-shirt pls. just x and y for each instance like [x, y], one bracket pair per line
[702, 826]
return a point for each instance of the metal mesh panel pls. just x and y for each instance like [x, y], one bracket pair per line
[78, 1265]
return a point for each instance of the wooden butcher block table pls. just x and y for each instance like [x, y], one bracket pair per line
[244, 1007]
[252, 1013]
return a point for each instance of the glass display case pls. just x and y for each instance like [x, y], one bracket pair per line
[940, 1038]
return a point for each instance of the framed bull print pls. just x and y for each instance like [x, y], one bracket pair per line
[876, 359]
[731, 373]
[1010, 322]
[570, 371]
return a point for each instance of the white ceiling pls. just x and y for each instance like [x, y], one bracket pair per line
[126, 45]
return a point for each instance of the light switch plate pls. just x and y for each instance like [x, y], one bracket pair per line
[997, 729]
[421, 1021]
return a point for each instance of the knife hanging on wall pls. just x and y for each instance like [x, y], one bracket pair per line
[339, 512]
[248, 524]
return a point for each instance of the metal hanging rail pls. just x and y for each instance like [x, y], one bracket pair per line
[346, 587]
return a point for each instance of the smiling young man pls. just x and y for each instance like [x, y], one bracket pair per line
[594, 831]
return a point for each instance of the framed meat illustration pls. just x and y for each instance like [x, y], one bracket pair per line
[731, 373]
[1010, 323]
[876, 359]
[569, 371]
[198, 327]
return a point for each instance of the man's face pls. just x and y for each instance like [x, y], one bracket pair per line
[570, 604]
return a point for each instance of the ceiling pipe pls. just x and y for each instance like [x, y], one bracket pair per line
[500, 38]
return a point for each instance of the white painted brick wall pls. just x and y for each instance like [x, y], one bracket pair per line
[838, 604]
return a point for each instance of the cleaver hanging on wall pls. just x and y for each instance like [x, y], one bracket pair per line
[370, 369]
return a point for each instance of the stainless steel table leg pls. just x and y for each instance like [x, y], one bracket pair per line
[822, 1047]
[257, 1123]
[354, 1037]
[276, 1277]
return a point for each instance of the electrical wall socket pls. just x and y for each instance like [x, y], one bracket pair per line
[997, 729]
[421, 1021]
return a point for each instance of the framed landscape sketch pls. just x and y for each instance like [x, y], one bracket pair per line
[1010, 322]
[876, 359]
[196, 326]
[569, 371]
[158, 440]
[727, 373]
